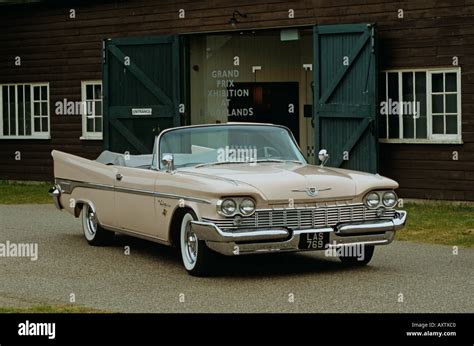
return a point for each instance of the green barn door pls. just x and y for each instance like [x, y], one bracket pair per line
[345, 95]
[141, 91]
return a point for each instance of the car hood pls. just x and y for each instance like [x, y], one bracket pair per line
[281, 181]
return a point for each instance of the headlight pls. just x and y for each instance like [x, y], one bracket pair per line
[228, 207]
[372, 200]
[389, 199]
[247, 206]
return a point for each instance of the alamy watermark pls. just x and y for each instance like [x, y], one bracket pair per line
[66, 107]
[353, 250]
[244, 154]
[390, 107]
[9, 249]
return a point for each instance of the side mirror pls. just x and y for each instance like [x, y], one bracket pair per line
[167, 160]
[323, 156]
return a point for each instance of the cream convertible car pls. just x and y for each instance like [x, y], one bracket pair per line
[232, 189]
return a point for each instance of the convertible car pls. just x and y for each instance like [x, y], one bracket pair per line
[230, 189]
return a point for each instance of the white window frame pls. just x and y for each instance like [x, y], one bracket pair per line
[34, 134]
[85, 134]
[431, 138]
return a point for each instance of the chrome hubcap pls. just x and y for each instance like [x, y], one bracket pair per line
[91, 222]
[191, 244]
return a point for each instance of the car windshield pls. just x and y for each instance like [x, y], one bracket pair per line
[213, 145]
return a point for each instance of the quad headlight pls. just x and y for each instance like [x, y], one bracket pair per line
[372, 200]
[247, 206]
[232, 206]
[389, 199]
[228, 207]
[375, 199]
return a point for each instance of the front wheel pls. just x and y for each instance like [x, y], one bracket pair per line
[93, 232]
[197, 257]
[359, 258]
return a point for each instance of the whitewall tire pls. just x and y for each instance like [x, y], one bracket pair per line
[196, 256]
[93, 232]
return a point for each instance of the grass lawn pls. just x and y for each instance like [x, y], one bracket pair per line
[439, 223]
[51, 309]
[18, 193]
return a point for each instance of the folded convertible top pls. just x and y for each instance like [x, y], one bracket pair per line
[118, 159]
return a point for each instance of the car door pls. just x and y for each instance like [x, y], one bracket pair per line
[135, 200]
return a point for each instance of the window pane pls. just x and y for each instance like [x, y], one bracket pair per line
[21, 112]
[28, 112]
[44, 108]
[393, 86]
[407, 106]
[36, 108]
[44, 93]
[451, 124]
[438, 103]
[36, 93]
[451, 103]
[437, 82]
[37, 125]
[438, 124]
[90, 125]
[89, 108]
[408, 126]
[98, 108]
[420, 91]
[451, 82]
[44, 124]
[5, 110]
[12, 111]
[393, 96]
[393, 126]
[97, 91]
[27, 93]
[89, 92]
[98, 124]
[407, 86]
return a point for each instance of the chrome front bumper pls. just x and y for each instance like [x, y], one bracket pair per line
[253, 241]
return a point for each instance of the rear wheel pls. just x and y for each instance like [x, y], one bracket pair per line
[360, 259]
[93, 232]
[196, 256]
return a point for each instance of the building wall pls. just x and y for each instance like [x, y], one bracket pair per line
[62, 51]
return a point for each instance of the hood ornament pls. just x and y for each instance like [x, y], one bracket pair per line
[312, 191]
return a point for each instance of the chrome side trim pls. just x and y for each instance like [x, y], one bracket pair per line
[136, 234]
[68, 186]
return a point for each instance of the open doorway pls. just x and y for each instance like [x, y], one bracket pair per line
[254, 76]
[267, 102]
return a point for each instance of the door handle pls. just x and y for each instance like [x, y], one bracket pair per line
[118, 176]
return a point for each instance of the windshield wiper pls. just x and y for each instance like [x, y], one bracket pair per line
[280, 161]
[249, 162]
[219, 163]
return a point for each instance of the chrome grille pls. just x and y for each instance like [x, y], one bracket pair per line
[301, 218]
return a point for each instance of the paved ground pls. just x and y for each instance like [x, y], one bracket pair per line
[151, 279]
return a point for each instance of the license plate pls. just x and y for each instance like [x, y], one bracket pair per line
[314, 241]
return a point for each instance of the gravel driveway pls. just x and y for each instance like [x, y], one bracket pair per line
[402, 277]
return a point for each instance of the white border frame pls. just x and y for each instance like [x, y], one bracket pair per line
[432, 139]
[91, 135]
[34, 135]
